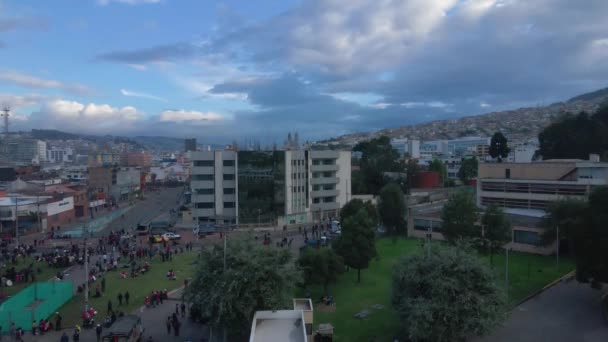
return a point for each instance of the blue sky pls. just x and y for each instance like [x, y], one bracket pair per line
[224, 70]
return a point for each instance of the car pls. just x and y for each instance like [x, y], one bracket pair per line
[171, 236]
[157, 239]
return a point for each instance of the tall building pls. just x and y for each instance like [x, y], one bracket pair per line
[190, 144]
[23, 150]
[59, 155]
[269, 187]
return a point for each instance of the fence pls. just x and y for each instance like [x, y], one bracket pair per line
[34, 303]
[96, 224]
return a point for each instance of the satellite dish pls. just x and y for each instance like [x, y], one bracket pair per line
[9, 283]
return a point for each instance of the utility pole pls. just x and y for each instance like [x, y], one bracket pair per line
[507, 272]
[557, 242]
[17, 220]
[86, 268]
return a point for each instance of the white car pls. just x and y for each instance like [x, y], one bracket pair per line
[171, 236]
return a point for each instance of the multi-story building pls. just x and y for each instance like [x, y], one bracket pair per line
[104, 159]
[269, 187]
[23, 150]
[456, 147]
[140, 159]
[60, 155]
[76, 174]
[190, 144]
[525, 190]
[405, 145]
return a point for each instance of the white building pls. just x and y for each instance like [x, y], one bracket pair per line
[405, 145]
[75, 173]
[330, 181]
[60, 155]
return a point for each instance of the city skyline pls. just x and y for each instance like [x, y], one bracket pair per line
[222, 69]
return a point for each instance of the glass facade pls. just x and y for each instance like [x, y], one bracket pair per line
[261, 179]
[527, 237]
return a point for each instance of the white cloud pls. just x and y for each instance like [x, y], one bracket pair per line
[128, 2]
[91, 112]
[20, 101]
[139, 67]
[130, 93]
[431, 104]
[485, 105]
[29, 81]
[191, 116]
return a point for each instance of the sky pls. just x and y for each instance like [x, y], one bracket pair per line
[233, 70]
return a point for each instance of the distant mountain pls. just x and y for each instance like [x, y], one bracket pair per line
[518, 124]
[160, 143]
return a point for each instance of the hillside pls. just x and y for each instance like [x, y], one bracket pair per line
[518, 124]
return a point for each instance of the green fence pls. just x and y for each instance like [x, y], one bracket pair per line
[34, 303]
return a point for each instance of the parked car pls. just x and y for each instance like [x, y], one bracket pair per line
[169, 236]
[126, 329]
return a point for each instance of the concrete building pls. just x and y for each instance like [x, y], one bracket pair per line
[405, 145]
[284, 325]
[190, 144]
[23, 150]
[60, 155]
[455, 148]
[139, 159]
[269, 187]
[75, 174]
[104, 159]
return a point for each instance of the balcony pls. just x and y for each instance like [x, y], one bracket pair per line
[324, 180]
[324, 206]
[229, 170]
[324, 168]
[202, 184]
[206, 212]
[196, 198]
[325, 193]
[203, 170]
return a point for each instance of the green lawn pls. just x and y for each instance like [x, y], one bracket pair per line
[47, 273]
[375, 288]
[155, 280]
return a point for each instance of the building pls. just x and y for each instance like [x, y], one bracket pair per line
[269, 187]
[75, 174]
[101, 180]
[128, 182]
[407, 146]
[139, 159]
[60, 155]
[455, 148]
[23, 150]
[190, 144]
[525, 190]
[104, 159]
[284, 325]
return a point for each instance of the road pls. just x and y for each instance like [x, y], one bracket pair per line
[566, 312]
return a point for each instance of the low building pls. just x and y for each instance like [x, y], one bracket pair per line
[60, 155]
[139, 159]
[284, 325]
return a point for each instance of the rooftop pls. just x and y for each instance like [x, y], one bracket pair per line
[278, 326]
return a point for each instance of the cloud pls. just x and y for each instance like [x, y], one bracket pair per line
[194, 117]
[157, 53]
[128, 2]
[11, 24]
[130, 93]
[139, 67]
[29, 81]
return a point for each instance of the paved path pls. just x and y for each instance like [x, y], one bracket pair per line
[567, 312]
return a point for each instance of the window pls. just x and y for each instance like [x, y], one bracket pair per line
[228, 191]
[316, 187]
[316, 200]
[329, 162]
[228, 162]
[526, 237]
[204, 205]
[329, 187]
[329, 199]
[328, 174]
[202, 177]
[507, 173]
[316, 175]
[205, 191]
[228, 204]
[316, 162]
[203, 163]
[228, 177]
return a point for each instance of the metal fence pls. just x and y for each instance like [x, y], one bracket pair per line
[34, 303]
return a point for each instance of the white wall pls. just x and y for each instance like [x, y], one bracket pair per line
[60, 206]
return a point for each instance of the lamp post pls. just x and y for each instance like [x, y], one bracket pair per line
[86, 268]
[17, 220]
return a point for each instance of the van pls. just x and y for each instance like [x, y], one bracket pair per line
[126, 329]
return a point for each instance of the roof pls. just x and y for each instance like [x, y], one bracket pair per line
[123, 326]
[278, 326]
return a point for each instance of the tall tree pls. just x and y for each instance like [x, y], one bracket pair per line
[321, 266]
[459, 216]
[439, 167]
[496, 229]
[391, 207]
[254, 278]
[411, 171]
[352, 207]
[377, 156]
[499, 147]
[357, 243]
[468, 169]
[449, 296]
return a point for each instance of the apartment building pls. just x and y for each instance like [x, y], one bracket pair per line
[525, 191]
[59, 155]
[269, 187]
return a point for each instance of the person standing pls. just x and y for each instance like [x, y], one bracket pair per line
[64, 337]
[183, 307]
[119, 298]
[176, 326]
[103, 284]
[176, 309]
[98, 330]
[168, 323]
[127, 297]
[109, 306]
[58, 319]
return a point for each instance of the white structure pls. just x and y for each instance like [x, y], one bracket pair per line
[59, 155]
[330, 182]
[405, 145]
[453, 148]
[214, 186]
[278, 326]
[523, 152]
[296, 187]
[75, 174]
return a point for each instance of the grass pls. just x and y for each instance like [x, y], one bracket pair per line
[154, 280]
[46, 274]
[527, 274]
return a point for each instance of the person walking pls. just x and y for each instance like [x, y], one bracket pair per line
[119, 298]
[176, 326]
[109, 306]
[76, 336]
[58, 319]
[183, 307]
[98, 330]
[168, 323]
[176, 309]
[127, 297]
[103, 284]
[64, 337]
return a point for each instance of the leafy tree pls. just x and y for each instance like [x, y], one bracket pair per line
[468, 169]
[449, 296]
[353, 206]
[358, 183]
[255, 278]
[459, 216]
[377, 156]
[321, 266]
[439, 167]
[567, 214]
[499, 148]
[357, 243]
[411, 171]
[391, 208]
[496, 228]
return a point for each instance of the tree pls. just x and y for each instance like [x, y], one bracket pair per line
[499, 147]
[321, 266]
[439, 167]
[496, 229]
[357, 243]
[377, 156]
[255, 278]
[448, 296]
[468, 169]
[459, 216]
[391, 208]
[411, 171]
[353, 206]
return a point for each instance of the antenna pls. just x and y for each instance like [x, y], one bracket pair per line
[6, 109]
